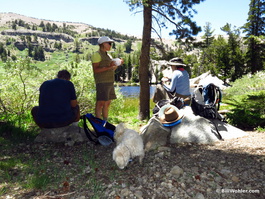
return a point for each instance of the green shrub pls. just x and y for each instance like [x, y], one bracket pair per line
[247, 84]
[19, 89]
[246, 98]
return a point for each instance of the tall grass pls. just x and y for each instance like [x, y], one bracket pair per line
[128, 113]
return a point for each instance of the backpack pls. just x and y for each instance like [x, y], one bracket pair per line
[212, 95]
[206, 101]
[176, 101]
[103, 131]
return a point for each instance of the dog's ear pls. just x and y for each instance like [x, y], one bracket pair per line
[120, 128]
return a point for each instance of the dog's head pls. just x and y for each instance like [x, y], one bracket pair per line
[121, 156]
[120, 161]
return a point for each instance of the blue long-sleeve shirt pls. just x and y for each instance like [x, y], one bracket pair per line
[179, 83]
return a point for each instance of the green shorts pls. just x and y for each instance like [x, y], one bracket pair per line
[105, 91]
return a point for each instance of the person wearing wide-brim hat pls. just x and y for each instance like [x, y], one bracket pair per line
[179, 83]
[169, 115]
[104, 68]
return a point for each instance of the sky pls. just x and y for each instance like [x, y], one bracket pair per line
[115, 14]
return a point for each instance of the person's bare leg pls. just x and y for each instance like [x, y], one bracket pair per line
[105, 110]
[99, 108]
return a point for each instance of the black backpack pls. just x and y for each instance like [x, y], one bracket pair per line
[212, 96]
[209, 105]
[176, 101]
[208, 111]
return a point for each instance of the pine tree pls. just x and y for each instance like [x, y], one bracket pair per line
[1, 48]
[162, 12]
[14, 26]
[41, 24]
[236, 55]
[255, 29]
[128, 46]
[39, 53]
[208, 34]
[30, 49]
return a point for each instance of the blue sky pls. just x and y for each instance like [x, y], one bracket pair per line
[115, 14]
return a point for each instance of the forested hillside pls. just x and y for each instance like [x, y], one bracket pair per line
[43, 40]
[226, 56]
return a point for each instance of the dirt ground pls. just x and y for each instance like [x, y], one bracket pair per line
[205, 171]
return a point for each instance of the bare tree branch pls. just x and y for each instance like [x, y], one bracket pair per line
[168, 19]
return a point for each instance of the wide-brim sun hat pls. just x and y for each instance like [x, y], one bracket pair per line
[104, 39]
[176, 62]
[170, 115]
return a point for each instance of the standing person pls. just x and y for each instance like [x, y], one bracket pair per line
[58, 105]
[104, 68]
[179, 83]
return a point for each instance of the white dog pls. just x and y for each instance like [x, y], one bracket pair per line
[129, 144]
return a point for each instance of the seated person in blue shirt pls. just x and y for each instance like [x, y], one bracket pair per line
[179, 84]
[58, 105]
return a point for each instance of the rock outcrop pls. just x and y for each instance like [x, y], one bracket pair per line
[192, 129]
[68, 135]
[45, 35]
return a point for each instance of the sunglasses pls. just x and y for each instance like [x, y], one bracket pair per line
[110, 43]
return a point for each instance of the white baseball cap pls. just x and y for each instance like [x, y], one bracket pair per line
[104, 39]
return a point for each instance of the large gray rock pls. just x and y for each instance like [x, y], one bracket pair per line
[207, 78]
[154, 134]
[192, 129]
[68, 135]
[196, 129]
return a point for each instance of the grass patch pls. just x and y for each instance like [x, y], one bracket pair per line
[8, 163]
[10, 133]
[247, 111]
[260, 129]
[38, 181]
[128, 114]
[245, 100]
[247, 84]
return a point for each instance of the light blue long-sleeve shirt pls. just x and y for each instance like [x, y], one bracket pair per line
[180, 83]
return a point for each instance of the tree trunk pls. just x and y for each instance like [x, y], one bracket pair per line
[144, 112]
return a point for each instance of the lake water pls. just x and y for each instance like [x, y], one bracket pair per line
[134, 91]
